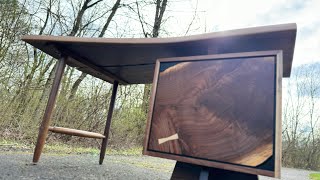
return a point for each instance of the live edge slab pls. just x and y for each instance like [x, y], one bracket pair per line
[221, 111]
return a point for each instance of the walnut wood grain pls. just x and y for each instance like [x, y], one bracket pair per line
[222, 110]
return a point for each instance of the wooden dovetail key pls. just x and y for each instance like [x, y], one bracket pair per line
[170, 138]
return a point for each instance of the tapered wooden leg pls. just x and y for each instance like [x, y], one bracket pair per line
[108, 124]
[43, 130]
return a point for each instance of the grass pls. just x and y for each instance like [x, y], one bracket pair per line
[163, 166]
[315, 176]
[60, 148]
[9, 145]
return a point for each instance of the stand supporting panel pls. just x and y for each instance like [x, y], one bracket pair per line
[186, 171]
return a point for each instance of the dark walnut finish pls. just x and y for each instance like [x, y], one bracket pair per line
[132, 60]
[44, 128]
[218, 110]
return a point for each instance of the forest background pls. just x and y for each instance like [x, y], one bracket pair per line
[26, 74]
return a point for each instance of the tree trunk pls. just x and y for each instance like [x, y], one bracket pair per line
[76, 84]
[44, 96]
[160, 9]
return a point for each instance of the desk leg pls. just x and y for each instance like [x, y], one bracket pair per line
[43, 130]
[108, 123]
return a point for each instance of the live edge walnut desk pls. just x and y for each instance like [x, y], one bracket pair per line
[216, 98]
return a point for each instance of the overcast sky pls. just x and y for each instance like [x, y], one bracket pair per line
[218, 15]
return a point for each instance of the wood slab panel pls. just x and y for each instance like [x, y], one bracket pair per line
[220, 110]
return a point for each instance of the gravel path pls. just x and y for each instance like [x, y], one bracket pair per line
[18, 166]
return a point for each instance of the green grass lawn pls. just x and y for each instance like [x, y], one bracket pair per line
[60, 148]
[315, 176]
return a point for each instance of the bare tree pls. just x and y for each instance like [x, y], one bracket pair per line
[301, 128]
[160, 7]
[76, 84]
